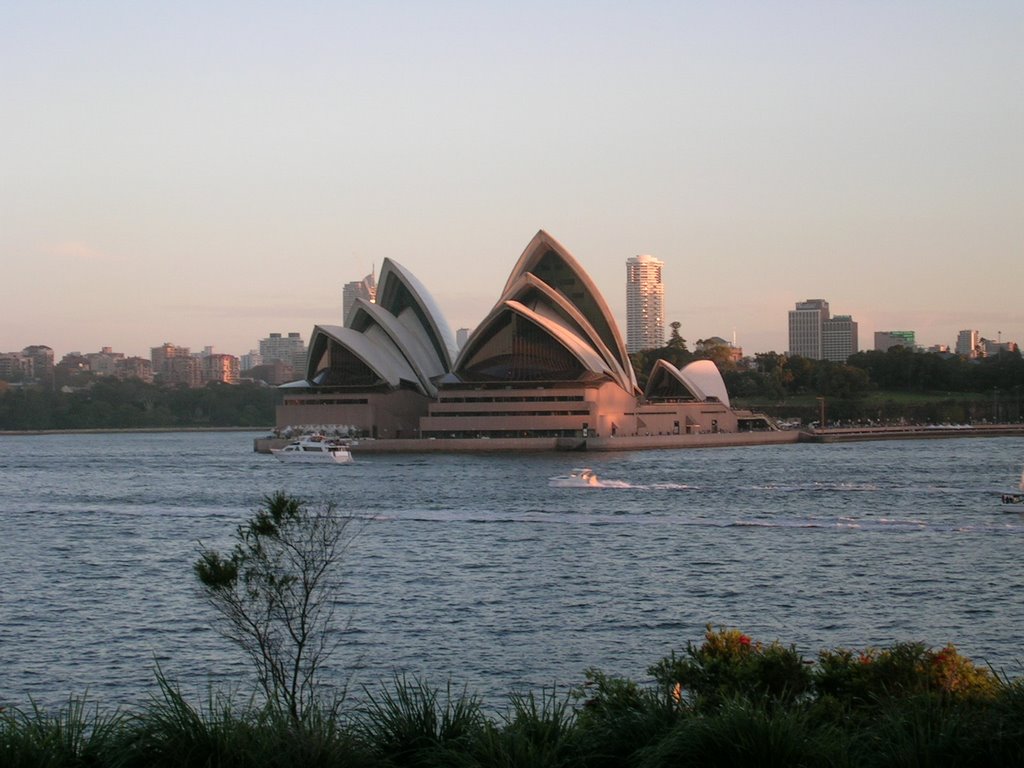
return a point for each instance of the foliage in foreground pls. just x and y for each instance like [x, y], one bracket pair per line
[275, 590]
[729, 701]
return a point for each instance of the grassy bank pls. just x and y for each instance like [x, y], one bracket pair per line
[727, 701]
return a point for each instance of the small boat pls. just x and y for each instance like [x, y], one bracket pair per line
[578, 478]
[315, 449]
[1015, 498]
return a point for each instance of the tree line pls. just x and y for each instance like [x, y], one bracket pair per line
[989, 388]
[133, 404]
[776, 376]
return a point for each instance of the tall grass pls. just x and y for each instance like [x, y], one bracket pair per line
[411, 723]
[78, 734]
[908, 705]
[535, 731]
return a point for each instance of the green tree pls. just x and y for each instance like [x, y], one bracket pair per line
[675, 341]
[276, 591]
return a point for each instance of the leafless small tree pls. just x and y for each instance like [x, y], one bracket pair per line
[276, 589]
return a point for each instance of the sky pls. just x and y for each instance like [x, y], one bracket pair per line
[205, 173]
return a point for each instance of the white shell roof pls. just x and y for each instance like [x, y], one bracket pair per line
[703, 376]
[701, 379]
[566, 336]
[415, 347]
[603, 322]
[558, 305]
[440, 335]
[379, 354]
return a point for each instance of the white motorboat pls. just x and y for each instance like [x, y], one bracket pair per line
[314, 450]
[578, 478]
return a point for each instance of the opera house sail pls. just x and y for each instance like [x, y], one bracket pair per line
[547, 361]
[376, 375]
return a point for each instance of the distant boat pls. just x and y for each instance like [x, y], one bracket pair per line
[314, 449]
[1016, 498]
[578, 478]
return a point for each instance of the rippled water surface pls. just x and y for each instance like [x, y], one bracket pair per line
[474, 569]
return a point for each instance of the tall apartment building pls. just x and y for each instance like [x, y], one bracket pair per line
[290, 349]
[815, 334]
[251, 360]
[161, 358]
[885, 340]
[135, 368]
[968, 343]
[42, 361]
[218, 367]
[645, 304]
[357, 289]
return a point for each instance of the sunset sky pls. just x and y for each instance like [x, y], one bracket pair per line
[205, 173]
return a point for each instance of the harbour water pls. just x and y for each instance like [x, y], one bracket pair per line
[474, 570]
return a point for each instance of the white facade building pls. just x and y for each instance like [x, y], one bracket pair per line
[805, 327]
[645, 304]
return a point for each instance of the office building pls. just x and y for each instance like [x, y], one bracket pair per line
[885, 340]
[365, 289]
[838, 338]
[815, 334]
[805, 327]
[645, 304]
[968, 343]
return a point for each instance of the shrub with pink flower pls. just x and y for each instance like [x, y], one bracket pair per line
[729, 663]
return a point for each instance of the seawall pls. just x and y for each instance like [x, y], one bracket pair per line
[551, 444]
[661, 442]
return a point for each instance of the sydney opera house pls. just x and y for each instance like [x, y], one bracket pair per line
[548, 361]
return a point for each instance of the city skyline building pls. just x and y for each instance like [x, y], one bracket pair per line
[815, 334]
[838, 338]
[365, 289]
[968, 343]
[162, 356]
[290, 349]
[645, 303]
[805, 325]
[885, 340]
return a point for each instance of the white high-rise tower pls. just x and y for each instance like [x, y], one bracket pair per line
[645, 304]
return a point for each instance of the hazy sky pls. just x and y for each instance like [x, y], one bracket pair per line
[205, 173]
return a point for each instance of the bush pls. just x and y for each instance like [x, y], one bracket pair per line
[729, 664]
[617, 717]
[748, 733]
[859, 678]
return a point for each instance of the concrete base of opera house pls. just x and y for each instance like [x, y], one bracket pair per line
[542, 444]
